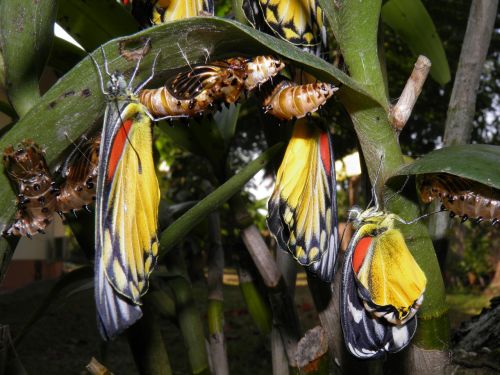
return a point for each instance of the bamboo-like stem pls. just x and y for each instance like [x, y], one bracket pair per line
[284, 312]
[161, 302]
[217, 343]
[279, 357]
[147, 345]
[401, 111]
[9, 360]
[187, 314]
[257, 305]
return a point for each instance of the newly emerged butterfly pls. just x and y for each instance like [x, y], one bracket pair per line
[303, 207]
[126, 207]
[463, 197]
[299, 22]
[31, 178]
[382, 285]
[291, 101]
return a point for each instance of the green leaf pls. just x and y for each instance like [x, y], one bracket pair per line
[475, 162]
[410, 20]
[94, 22]
[226, 121]
[25, 40]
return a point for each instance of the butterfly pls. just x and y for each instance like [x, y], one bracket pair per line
[463, 197]
[299, 22]
[382, 285]
[127, 199]
[303, 206]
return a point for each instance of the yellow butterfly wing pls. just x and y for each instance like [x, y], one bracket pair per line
[302, 208]
[388, 272]
[126, 217]
[172, 10]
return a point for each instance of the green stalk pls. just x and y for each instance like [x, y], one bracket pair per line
[188, 316]
[182, 226]
[256, 304]
[215, 313]
[147, 345]
[357, 26]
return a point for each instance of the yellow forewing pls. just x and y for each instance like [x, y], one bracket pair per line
[391, 274]
[130, 246]
[300, 208]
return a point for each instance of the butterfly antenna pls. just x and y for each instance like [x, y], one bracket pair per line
[399, 191]
[105, 60]
[143, 84]
[184, 56]
[99, 73]
[134, 73]
[418, 218]
[136, 69]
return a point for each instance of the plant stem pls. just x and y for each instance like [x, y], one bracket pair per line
[182, 226]
[147, 345]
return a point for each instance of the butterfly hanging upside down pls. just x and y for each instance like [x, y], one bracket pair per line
[127, 205]
[382, 285]
[303, 207]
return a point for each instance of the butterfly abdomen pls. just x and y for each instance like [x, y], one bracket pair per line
[291, 101]
[160, 102]
[260, 70]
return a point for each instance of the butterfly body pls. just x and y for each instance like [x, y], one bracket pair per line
[382, 286]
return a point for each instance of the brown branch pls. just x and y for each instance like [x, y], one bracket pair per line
[477, 38]
[400, 113]
[312, 352]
